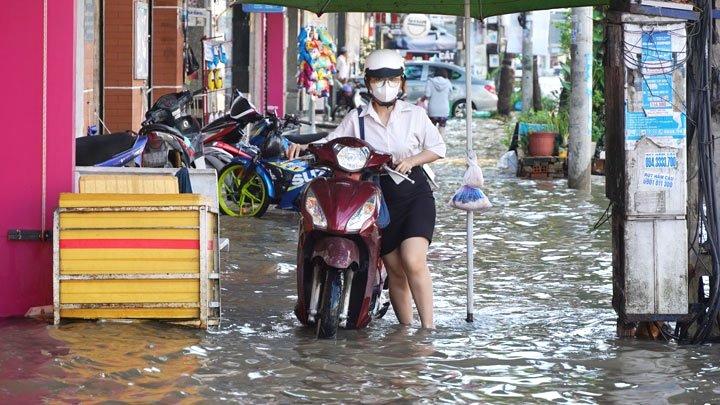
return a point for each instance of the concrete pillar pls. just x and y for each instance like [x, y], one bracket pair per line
[579, 144]
[123, 93]
[167, 48]
[527, 64]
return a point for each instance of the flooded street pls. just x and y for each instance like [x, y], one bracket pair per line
[544, 328]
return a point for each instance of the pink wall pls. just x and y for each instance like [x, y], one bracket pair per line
[276, 60]
[26, 267]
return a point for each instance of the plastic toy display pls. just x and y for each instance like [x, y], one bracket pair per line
[316, 61]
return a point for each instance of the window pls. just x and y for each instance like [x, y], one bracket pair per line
[413, 72]
[452, 73]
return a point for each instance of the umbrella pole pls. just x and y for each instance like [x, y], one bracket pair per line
[468, 129]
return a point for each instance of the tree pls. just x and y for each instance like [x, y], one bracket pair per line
[506, 84]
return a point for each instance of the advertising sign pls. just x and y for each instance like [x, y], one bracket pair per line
[416, 25]
[262, 8]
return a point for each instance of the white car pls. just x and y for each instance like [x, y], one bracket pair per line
[418, 73]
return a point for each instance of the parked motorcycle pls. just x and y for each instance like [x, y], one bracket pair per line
[221, 137]
[249, 184]
[349, 98]
[166, 139]
[340, 274]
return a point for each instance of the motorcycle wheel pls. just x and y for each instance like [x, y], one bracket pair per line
[327, 325]
[241, 200]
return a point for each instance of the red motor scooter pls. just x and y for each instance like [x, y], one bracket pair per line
[340, 274]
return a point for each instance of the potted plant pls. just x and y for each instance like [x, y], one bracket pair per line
[540, 142]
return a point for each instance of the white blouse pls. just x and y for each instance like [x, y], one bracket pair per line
[409, 131]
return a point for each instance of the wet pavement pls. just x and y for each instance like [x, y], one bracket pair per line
[544, 328]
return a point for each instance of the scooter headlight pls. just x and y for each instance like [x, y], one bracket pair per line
[312, 206]
[351, 159]
[362, 215]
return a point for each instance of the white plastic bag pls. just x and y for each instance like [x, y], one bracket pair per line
[508, 162]
[473, 175]
[469, 197]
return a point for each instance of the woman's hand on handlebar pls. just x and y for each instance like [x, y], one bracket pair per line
[294, 150]
[406, 165]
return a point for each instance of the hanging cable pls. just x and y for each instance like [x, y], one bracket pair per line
[705, 312]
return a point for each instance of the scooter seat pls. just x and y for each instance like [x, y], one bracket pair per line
[91, 150]
[304, 139]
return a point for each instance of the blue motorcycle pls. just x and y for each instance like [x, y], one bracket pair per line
[249, 184]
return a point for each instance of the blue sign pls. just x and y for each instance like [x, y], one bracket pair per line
[659, 119]
[658, 65]
[639, 125]
[262, 8]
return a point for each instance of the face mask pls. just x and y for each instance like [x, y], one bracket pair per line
[386, 93]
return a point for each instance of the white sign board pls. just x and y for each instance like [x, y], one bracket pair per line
[494, 60]
[416, 25]
[140, 41]
[540, 27]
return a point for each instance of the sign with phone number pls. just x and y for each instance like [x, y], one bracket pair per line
[662, 160]
[658, 180]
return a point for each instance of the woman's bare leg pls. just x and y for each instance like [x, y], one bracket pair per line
[400, 295]
[413, 255]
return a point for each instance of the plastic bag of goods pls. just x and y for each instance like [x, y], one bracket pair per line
[469, 197]
[508, 162]
[473, 175]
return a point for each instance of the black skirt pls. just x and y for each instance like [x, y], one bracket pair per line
[412, 210]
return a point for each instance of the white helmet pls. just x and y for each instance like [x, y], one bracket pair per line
[384, 63]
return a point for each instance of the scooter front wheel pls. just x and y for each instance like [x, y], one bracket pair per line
[242, 199]
[328, 318]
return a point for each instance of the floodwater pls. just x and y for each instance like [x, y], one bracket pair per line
[544, 328]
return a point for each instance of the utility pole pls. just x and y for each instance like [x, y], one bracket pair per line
[579, 150]
[527, 62]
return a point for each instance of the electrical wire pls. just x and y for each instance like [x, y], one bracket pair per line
[706, 311]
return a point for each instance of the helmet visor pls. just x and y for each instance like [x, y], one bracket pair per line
[383, 73]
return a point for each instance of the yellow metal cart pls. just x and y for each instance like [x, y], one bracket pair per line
[137, 256]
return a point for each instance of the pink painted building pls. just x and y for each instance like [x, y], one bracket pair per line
[39, 117]
[46, 107]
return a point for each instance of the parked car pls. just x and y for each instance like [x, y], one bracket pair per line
[418, 73]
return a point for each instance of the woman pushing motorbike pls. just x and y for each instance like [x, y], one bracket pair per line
[403, 130]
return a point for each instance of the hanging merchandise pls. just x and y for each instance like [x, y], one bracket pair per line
[316, 61]
[210, 79]
[218, 79]
[191, 62]
[216, 58]
[469, 197]
[222, 54]
[211, 58]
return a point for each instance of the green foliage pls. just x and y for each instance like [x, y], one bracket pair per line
[515, 98]
[539, 117]
[367, 45]
[556, 121]
[549, 103]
